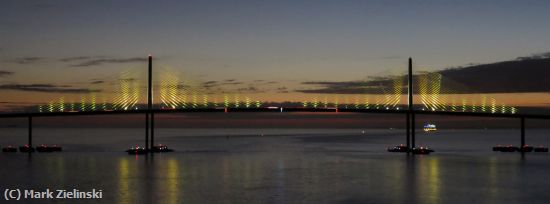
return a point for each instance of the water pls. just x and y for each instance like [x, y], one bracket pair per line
[282, 166]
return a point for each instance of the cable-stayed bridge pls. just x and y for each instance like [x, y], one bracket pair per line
[385, 95]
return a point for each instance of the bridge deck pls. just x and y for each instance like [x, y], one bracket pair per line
[287, 109]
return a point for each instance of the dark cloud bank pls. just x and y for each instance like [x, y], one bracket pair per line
[48, 88]
[91, 61]
[522, 75]
[80, 61]
[5, 73]
[26, 60]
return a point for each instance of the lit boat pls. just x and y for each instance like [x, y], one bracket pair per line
[26, 148]
[526, 148]
[136, 150]
[43, 148]
[46, 148]
[399, 148]
[9, 148]
[541, 149]
[508, 148]
[422, 150]
[56, 148]
[161, 148]
[498, 148]
[430, 127]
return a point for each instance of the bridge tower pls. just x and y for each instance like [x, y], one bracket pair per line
[149, 113]
[410, 110]
[410, 86]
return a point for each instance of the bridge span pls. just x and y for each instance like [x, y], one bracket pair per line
[410, 113]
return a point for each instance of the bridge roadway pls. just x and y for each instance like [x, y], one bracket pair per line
[284, 109]
[407, 113]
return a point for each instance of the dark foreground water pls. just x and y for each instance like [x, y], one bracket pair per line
[282, 166]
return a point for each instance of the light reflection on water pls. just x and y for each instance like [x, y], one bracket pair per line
[123, 181]
[172, 182]
[493, 178]
[302, 169]
[429, 179]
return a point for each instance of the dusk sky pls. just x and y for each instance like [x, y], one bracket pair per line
[50, 49]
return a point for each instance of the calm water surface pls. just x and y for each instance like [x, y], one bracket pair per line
[282, 166]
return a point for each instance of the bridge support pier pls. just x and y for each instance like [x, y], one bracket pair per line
[146, 131]
[152, 130]
[413, 130]
[30, 132]
[408, 131]
[522, 132]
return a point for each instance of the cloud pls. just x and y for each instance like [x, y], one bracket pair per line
[282, 89]
[374, 86]
[87, 61]
[127, 79]
[522, 75]
[527, 74]
[250, 89]
[209, 84]
[72, 59]
[18, 102]
[183, 86]
[232, 86]
[48, 88]
[232, 83]
[97, 82]
[5, 73]
[535, 56]
[26, 60]
[80, 61]
[228, 82]
[264, 82]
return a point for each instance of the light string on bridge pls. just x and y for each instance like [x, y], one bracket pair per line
[435, 97]
[433, 93]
